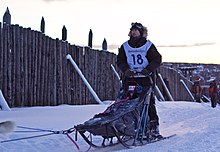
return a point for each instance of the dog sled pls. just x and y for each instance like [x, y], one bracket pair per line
[125, 121]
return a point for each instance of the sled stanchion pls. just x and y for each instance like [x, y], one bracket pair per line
[145, 119]
[90, 135]
[84, 79]
[144, 111]
[76, 135]
[87, 140]
[139, 124]
[147, 102]
[119, 139]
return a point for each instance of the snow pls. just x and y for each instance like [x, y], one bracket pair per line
[197, 126]
[3, 104]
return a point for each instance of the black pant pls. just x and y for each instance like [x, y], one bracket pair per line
[213, 101]
[154, 119]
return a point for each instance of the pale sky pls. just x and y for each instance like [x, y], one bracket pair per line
[191, 27]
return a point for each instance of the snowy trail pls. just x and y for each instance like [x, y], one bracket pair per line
[197, 127]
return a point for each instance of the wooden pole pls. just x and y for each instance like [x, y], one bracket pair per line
[104, 45]
[7, 17]
[84, 79]
[90, 38]
[42, 25]
[64, 33]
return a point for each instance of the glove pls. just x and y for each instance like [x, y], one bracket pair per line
[145, 72]
[128, 73]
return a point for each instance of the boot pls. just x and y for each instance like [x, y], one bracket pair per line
[155, 133]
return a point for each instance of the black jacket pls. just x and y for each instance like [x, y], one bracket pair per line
[153, 56]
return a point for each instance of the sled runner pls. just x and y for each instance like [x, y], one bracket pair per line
[125, 121]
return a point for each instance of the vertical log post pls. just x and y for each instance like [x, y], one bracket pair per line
[90, 38]
[7, 17]
[104, 45]
[64, 33]
[42, 25]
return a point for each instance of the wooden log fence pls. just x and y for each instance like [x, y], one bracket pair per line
[177, 89]
[34, 70]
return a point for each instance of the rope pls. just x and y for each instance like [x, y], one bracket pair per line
[123, 100]
[45, 130]
[26, 131]
[16, 139]
[36, 129]
[30, 129]
[72, 141]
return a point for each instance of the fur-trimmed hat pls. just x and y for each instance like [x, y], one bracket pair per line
[142, 29]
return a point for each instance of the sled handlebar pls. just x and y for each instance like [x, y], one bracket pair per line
[139, 75]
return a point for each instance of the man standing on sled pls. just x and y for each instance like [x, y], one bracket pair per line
[139, 55]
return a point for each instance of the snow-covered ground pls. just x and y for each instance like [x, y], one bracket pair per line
[197, 126]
